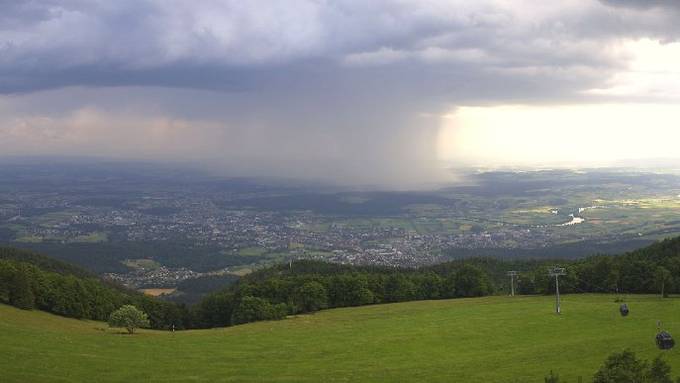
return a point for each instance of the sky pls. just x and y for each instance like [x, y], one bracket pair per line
[392, 93]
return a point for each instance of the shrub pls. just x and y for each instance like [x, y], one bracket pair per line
[625, 367]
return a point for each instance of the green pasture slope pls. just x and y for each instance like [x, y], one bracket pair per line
[491, 339]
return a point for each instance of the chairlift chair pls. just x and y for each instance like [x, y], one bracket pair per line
[664, 341]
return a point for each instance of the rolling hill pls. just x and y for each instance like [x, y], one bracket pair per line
[489, 339]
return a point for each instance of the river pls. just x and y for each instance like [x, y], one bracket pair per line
[574, 221]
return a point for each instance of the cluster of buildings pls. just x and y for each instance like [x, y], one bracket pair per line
[203, 222]
[158, 277]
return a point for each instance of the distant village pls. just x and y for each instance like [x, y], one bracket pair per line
[199, 220]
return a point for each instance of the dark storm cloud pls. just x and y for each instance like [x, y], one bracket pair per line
[350, 90]
[234, 44]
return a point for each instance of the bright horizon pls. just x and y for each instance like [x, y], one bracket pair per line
[564, 135]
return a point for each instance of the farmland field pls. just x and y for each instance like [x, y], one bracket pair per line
[492, 339]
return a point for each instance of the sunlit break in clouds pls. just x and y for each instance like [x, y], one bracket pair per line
[388, 93]
[577, 135]
[598, 133]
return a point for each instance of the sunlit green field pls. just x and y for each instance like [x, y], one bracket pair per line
[141, 263]
[493, 339]
[252, 252]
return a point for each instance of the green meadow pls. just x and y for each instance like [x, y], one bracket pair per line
[491, 339]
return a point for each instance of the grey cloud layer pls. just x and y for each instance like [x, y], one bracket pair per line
[54, 43]
[340, 89]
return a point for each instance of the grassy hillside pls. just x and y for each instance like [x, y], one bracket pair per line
[491, 339]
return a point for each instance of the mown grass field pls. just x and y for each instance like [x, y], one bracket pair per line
[493, 339]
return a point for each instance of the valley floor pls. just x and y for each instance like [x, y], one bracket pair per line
[492, 339]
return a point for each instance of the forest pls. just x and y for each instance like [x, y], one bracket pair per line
[32, 281]
[29, 280]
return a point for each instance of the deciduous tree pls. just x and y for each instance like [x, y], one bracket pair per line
[129, 317]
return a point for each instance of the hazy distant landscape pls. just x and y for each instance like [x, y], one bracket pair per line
[149, 226]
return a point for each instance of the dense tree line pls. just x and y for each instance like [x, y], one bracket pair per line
[29, 280]
[310, 286]
[653, 269]
[49, 285]
[43, 262]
